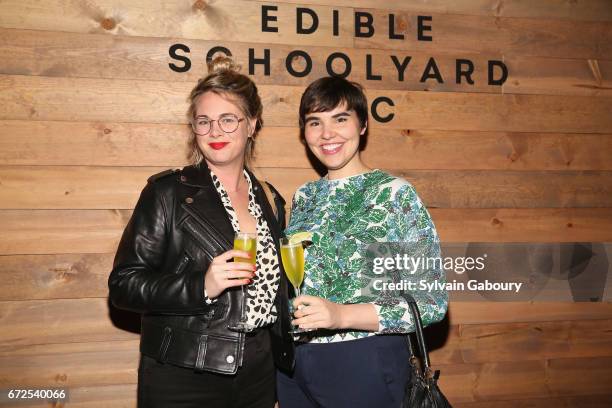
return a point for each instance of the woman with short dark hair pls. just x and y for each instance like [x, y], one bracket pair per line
[357, 354]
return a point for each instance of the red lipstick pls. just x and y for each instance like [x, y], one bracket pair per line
[218, 145]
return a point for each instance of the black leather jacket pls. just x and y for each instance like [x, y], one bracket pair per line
[178, 226]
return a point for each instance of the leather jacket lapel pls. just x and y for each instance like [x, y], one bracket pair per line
[206, 205]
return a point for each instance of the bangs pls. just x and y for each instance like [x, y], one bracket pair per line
[325, 94]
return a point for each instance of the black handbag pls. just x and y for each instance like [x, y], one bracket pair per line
[422, 390]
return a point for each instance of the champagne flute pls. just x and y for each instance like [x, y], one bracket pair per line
[244, 241]
[292, 255]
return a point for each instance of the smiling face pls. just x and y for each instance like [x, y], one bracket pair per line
[218, 147]
[333, 137]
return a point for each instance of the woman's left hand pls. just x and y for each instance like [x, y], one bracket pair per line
[313, 312]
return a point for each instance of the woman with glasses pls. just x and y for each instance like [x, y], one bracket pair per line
[356, 354]
[176, 267]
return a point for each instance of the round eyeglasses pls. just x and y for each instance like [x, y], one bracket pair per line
[227, 123]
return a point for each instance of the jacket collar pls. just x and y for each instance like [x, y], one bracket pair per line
[196, 176]
[213, 208]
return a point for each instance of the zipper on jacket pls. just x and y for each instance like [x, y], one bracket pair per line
[214, 233]
[183, 264]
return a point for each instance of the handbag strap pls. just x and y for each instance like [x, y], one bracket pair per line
[418, 324]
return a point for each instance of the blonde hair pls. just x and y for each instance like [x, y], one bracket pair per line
[224, 79]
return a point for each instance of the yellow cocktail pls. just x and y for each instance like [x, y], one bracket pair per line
[293, 262]
[244, 241]
[292, 255]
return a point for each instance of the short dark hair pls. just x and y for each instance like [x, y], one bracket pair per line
[325, 94]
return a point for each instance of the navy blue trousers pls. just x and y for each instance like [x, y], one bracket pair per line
[363, 373]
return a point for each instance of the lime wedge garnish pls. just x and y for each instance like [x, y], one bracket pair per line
[300, 237]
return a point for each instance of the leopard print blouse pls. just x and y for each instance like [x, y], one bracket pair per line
[261, 310]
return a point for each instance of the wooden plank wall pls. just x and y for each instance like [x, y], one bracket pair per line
[89, 108]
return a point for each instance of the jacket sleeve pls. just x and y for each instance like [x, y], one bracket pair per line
[138, 281]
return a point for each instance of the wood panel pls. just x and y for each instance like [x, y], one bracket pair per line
[47, 98]
[525, 380]
[516, 312]
[26, 52]
[456, 150]
[485, 189]
[80, 187]
[63, 321]
[45, 143]
[34, 98]
[98, 231]
[56, 54]
[522, 225]
[29, 322]
[61, 231]
[54, 276]
[592, 10]
[70, 365]
[72, 187]
[26, 142]
[510, 36]
[230, 20]
[592, 375]
[547, 76]
[485, 343]
[242, 19]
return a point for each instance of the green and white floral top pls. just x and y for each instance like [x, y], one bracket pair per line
[346, 216]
